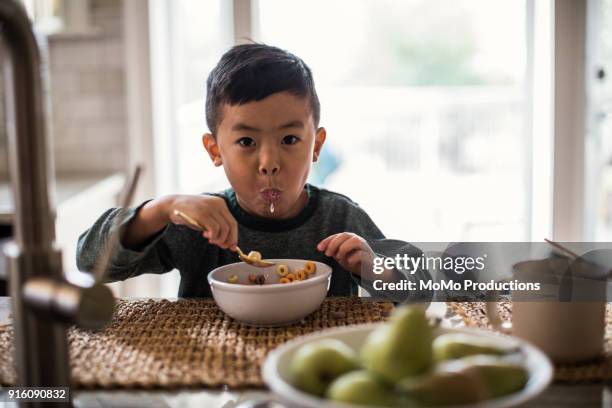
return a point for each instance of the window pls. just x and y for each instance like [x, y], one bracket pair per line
[189, 38]
[599, 123]
[430, 110]
[425, 108]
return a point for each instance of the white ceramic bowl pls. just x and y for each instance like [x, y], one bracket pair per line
[276, 367]
[271, 304]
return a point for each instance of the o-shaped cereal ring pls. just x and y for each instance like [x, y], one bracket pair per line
[283, 280]
[300, 275]
[254, 255]
[282, 270]
[290, 276]
[310, 267]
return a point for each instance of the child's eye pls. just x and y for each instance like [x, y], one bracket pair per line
[289, 140]
[246, 142]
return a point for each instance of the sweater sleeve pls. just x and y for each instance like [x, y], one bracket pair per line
[391, 248]
[383, 247]
[154, 257]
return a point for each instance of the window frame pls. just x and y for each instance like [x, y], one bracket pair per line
[556, 40]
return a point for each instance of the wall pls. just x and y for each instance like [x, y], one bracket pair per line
[88, 96]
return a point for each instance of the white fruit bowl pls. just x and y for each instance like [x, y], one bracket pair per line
[276, 367]
[271, 304]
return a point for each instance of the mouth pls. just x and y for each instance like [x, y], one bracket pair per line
[270, 195]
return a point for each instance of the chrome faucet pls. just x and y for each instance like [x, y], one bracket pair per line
[43, 302]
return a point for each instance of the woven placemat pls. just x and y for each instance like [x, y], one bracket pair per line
[473, 315]
[184, 343]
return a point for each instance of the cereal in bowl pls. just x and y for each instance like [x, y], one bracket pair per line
[288, 276]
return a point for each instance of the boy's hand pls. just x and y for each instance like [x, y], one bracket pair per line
[349, 250]
[211, 213]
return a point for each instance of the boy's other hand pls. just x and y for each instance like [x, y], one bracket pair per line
[210, 212]
[349, 250]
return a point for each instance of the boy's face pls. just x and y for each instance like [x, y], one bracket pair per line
[266, 149]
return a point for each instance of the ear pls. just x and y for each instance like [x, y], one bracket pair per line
[211, 146]
[318, 144]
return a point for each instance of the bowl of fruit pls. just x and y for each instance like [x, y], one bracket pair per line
[282, 293]
[406, 362]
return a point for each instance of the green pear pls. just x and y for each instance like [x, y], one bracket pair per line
[443, 388]
[401, 347]
[315, 365]
[500, 377]
[362, 388]
[458, 345]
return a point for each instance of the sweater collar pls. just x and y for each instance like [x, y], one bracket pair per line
[271, 225]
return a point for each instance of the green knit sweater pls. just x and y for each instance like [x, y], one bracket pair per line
[179, 247]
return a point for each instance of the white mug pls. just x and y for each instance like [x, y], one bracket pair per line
[567, 331]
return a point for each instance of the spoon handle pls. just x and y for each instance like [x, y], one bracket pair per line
[194, 223]
[191, 221]
[567, 251]
[103, 262]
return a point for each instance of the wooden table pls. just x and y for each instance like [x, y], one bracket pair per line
[556, 396]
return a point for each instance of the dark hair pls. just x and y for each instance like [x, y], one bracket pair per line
[252, 72]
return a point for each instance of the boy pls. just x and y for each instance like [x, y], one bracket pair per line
[263, 114]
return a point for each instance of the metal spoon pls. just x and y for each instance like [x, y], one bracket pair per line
[245, 258]
[255, 262]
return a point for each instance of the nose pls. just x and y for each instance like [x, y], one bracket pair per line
[269, 162]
